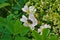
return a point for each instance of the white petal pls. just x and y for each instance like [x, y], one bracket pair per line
[33, 19]
[42, 27]
[32, 9]
[25, 9]
[25, 24]
[39, 30]
[47, 26]
[41, 33]
[23, 19]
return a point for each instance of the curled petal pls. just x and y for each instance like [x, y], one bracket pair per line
[25, 9]
[23, 19]
[47, 26]
[39, 30]
[33, 19]
[32, 9]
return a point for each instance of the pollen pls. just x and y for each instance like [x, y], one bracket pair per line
[29, 21]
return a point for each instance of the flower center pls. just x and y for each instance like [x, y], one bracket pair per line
[28, 11]
[29, 21]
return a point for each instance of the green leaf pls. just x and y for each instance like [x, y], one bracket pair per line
[2, 22]
[36, 35]
[21, 38]
[6, 37]
[24, 30]
[4, 5]
[25, 1]
[53, 37]
[2, 1]
[13, 26]
[15, 12]
[10, 16]
[21, 2]
[3, 28]
[17, 7]
[16, 27]
[45, 33]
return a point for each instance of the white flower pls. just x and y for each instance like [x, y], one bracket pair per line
[30, 9]
[31, 21]
[42, 27]
[47, 26]
[25, 9]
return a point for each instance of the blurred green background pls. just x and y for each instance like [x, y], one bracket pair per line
[11, 27]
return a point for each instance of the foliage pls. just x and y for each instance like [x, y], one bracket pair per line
[47, 12]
